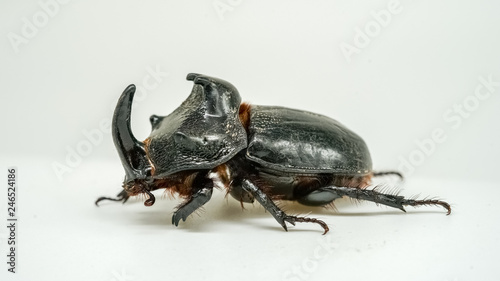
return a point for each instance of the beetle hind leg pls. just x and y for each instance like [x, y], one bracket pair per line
[391, 200]
[320, 197]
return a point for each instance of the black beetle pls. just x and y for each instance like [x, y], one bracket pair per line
[262, 153]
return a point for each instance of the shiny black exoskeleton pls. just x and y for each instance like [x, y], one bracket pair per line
[263, 153]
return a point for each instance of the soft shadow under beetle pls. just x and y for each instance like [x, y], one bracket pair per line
[262, 153]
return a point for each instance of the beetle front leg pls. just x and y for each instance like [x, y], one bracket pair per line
[120, 197]
[198, 199]
[277, 213]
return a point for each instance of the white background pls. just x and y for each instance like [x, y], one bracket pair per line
[64, 65]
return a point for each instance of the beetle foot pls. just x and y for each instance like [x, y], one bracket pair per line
[293, 219]
[120, 197]
[416, 203]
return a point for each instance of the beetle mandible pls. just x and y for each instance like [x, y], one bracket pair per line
[263, 153]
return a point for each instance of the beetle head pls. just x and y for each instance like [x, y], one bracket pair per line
[132, 152]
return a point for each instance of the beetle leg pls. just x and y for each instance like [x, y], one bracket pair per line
[238, 193]
[391, 200]
[277, 213]
[196, 200]
[388, 173]
[122, 196]
[320, 197]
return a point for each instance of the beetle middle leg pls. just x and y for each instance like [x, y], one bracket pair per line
[275, 211]
[201, 194]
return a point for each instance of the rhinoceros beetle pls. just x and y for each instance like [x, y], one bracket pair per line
[263, 153]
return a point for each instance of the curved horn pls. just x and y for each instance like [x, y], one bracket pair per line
[212, 96]
[131, 151]
[214, 89]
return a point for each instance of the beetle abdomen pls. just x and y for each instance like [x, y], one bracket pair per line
[298, 141]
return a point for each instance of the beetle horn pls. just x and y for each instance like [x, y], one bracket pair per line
[131, 151]
[213, 100]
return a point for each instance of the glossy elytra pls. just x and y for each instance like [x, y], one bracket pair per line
[263, 153]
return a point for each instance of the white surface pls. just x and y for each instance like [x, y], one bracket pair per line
[63, 83]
